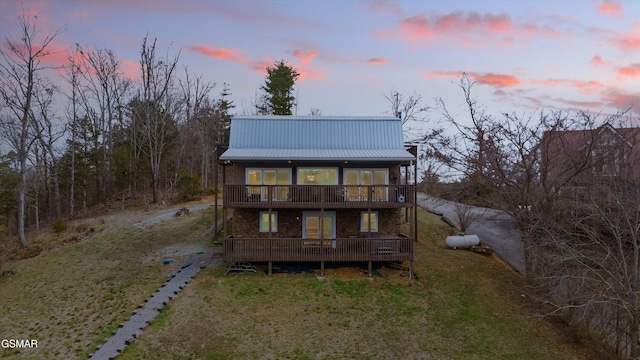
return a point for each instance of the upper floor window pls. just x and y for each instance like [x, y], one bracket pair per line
[317, 176]
[609, 155]
[258, 177]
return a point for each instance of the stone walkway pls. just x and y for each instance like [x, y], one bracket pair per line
[141, 318]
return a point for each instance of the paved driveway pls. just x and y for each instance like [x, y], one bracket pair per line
[494, 228]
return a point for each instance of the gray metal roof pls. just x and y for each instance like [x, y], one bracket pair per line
[316, 138]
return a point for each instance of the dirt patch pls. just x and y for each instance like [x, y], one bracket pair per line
[169, 214]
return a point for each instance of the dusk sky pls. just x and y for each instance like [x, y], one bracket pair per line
[526, 56]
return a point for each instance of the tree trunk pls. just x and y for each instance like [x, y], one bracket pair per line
[155, 188]
[22, 189]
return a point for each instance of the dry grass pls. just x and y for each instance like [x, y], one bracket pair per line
[462, 306]
[70, 298]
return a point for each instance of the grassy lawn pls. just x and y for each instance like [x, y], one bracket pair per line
[461, 306]
[71, 298]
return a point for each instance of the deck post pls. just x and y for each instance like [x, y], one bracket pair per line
[269, 267]
[370, 269]
[322, 268]
[224, 222]
[410, 269]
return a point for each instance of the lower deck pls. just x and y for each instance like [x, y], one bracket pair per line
[385, 248]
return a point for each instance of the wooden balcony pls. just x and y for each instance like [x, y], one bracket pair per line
[380, 248]
[319, 196]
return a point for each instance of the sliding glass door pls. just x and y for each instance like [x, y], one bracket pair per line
[316, 225]
[363, 178]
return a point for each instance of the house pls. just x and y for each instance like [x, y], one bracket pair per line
[590, 168]
[318, 189]
[581, 156]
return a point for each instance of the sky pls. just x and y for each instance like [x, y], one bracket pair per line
[525, 56]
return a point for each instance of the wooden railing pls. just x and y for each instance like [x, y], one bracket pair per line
[381, 248]
[328, 196]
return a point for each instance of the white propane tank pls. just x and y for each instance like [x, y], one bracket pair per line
[462, 241]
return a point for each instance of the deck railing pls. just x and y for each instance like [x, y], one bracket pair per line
[330, 196]
[380, 248]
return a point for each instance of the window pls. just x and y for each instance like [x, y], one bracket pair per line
[363, 178]
[264, 221]
[269, 177]
[318, 176]
[609, 155]
[367, 219]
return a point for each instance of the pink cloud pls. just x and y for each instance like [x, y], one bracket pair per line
[597, 61]
[304, 58]
[306, 72]
[56, 55]
[219, 53]
[594, 105]
[127, 68]
[631, 71]
[261, 65]
[621, 100]
[377, 61]
[492, 79]
[309, 73]
[496, 79]
[130, 69]
[53, 56]
[36, 12]
[630, 40]
[610, 7]
[587, 87]
[437, 74]
[470, 28]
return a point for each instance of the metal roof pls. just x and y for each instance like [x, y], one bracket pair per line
[316, 138]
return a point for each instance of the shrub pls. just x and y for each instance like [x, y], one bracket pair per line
[189, 187]
[59, 225]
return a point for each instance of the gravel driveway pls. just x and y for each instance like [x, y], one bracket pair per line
[171, 213]
[494, 228]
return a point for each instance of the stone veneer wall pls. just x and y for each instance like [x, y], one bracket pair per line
[246, 223]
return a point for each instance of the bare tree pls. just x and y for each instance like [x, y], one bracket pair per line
[74, 72]
[467, 215]
[156, 108]
[571, 182]
[19, 80]
[407, 107]
[103, 89]
[315, 112]
[48, 134]
[195, 92]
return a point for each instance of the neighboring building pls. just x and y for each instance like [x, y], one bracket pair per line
[584, 155]
[319, 189]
